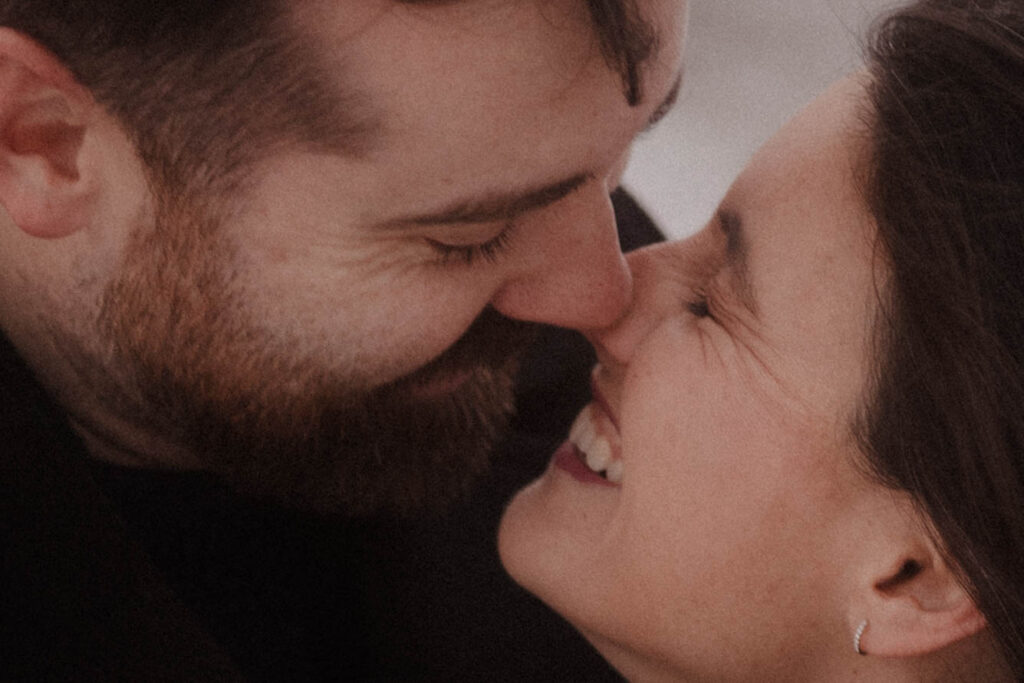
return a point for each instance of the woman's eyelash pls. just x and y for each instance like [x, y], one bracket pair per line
[699, 305]
[468, 254]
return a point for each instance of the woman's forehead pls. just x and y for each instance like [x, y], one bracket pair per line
[808, 242]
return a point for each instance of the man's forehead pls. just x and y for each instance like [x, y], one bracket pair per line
[335, 24]
[473, 107]
[378, 52]
[419, 69]
[625, 35]
[623, 31]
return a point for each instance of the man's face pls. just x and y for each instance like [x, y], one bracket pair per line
[328, 326]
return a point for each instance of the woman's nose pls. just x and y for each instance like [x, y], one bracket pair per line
[654, 298]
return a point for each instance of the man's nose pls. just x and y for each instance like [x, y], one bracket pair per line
[654, 298]
[576, 275]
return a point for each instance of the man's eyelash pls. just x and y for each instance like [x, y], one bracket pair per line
[468, 254]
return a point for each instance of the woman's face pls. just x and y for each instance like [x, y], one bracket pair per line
[724, 403]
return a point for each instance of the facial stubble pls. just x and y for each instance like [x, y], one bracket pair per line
[276, 424]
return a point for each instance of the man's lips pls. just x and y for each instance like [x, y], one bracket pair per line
[440, 385]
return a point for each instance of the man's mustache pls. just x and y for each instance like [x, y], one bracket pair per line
[492, 341]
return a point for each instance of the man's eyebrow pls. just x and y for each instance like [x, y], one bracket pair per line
[737, 256]
[499, 206]
[508, 206]
[666, 104]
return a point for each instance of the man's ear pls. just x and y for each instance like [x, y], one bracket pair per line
[912, 600]
[44, 118]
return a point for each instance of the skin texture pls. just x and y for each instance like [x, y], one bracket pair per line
[743, 531]
[273, 337]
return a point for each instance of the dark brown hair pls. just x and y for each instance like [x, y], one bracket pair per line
[946, 420]
[626, 41]
[200, 86]
[203, 86]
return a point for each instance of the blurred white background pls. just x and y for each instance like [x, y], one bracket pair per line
[750, 65]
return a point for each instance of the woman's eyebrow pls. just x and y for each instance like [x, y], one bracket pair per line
[737, 256]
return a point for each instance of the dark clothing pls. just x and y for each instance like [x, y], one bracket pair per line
[115, 574]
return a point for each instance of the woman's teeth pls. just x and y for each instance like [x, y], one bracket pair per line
[596, 448]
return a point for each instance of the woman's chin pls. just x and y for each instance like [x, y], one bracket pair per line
[534, 555]
[553, 530]
[553, 541]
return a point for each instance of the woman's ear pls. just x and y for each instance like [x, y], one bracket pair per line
[44, 119]
[910, 597]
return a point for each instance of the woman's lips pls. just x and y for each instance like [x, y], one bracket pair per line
[595, 448]
[568, 459]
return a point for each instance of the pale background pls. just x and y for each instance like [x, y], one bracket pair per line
[751, 65]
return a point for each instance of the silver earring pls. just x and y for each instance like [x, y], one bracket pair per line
[856, 637]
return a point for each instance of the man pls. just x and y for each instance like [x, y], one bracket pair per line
[272, 257]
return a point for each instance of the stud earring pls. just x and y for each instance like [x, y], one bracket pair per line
[857, 635]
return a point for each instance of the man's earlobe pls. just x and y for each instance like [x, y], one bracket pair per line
[43, 123]
[913, 606]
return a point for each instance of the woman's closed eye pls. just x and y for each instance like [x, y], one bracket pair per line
[699, 305]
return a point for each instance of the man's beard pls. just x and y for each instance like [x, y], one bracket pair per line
[188, 365]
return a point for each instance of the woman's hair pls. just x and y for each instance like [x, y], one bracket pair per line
[945, 420]
[204, 87]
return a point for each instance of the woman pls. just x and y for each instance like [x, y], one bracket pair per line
[805, 456]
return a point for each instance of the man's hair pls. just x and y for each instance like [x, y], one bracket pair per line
[945, 421]
[205, 86]
[627, 40]
[199, 85]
